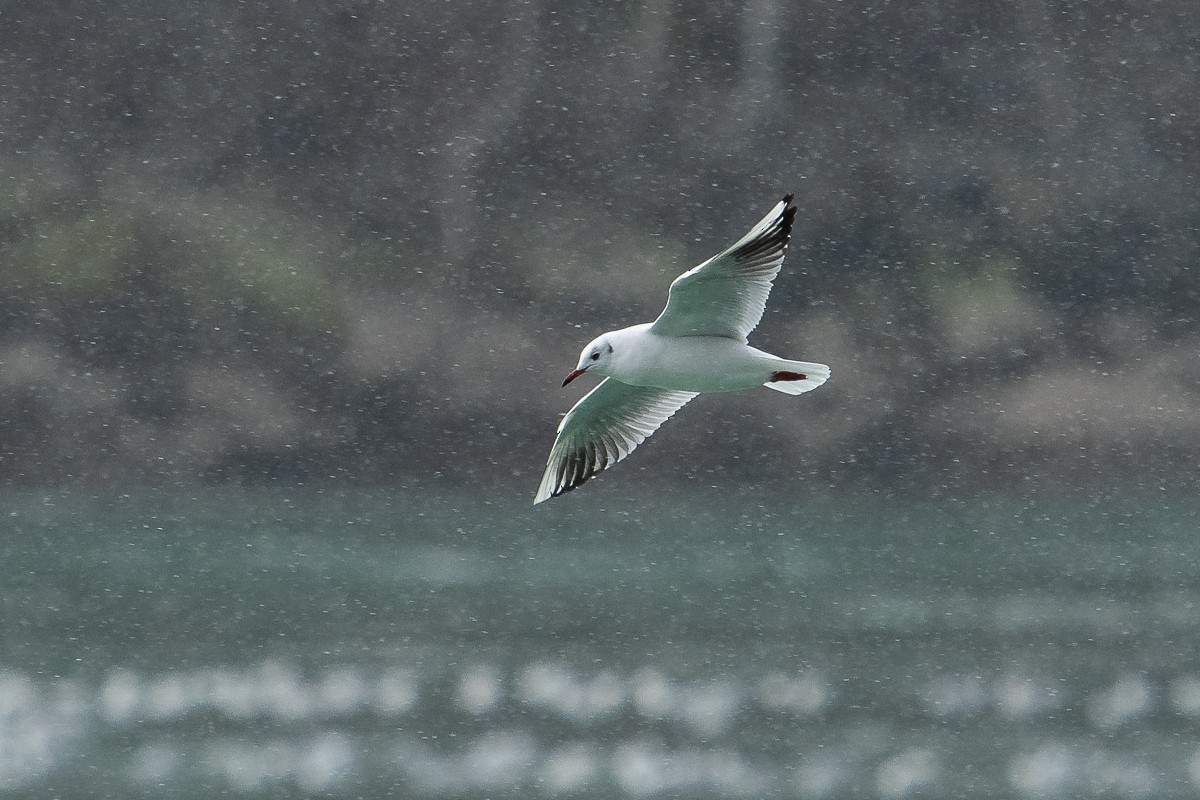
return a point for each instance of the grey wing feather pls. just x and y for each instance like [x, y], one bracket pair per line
[602, 429]
[726, 295]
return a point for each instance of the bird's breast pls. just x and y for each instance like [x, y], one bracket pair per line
[690, 364]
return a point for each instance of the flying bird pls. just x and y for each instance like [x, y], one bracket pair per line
[698, 344]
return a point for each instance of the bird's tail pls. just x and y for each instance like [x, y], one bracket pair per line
[797, 377]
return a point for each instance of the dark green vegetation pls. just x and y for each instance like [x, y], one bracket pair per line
[249, 241]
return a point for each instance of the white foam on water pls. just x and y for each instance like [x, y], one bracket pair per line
[480, 689]
[1109, 773]
[955, 696]
[544, 684]
[121, 696]
[603, 695]
[155, 763]
[646, 768]
[37, 732]
[247, 766]
[500, 759]
[569, 768]
[803, 695]
[1193, 769]
[583, 699]
[397, 692]
[26, 753]
[1184, 694]
[906, 773]
[234, 694]
[496, 761]
[1057, 769]
[820, 777]
[310, 719]
[342, 691]
[1019, 696]
[327, 760]
[654, 695]
[168, 697]
[1049, 770]
[708, 708]
[318, 764]
[1129, 698]
[271, 690]
[283, 693]
[426, 771]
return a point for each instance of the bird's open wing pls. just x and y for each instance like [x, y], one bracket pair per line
[726, 295]
[604, 427]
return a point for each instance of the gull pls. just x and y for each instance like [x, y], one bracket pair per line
[697, 345]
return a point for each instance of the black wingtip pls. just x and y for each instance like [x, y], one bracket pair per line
[788, 217]
[773, 238]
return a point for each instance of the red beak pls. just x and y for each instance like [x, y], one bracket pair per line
[573, 374]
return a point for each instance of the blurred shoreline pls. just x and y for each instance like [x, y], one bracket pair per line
[380, 410]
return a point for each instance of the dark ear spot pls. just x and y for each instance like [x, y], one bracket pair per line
[610, 348]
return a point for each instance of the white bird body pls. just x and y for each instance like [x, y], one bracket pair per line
[642, 357]
[696, 346]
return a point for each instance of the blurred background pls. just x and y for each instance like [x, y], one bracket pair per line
[287, 290]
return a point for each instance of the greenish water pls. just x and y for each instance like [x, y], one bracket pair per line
[306, 641]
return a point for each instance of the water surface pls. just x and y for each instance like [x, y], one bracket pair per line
[308, 641]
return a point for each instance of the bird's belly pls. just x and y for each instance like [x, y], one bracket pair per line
[696, 364]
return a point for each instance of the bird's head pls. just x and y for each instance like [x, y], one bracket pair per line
[595, 358]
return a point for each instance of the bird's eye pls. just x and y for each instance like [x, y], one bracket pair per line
[595, 356]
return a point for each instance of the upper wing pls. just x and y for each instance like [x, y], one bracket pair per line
[604, 427]
[726, 295]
